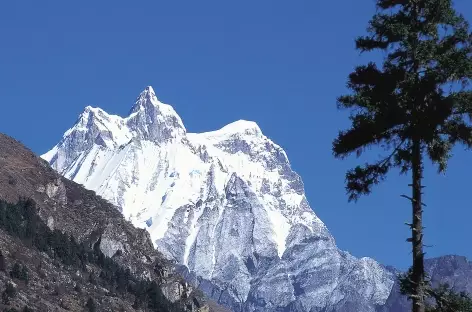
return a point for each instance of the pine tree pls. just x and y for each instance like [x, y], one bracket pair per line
[153, 295]
[78, 288]
[441, 298]
[5, 298]
[90, 305]
[31, 219]
[2, 262]
[8, 293]
[3, 208]
[16, 271]
[136, 303]
[92, 280]
[24, 274]
[449, 301]
[415, 105]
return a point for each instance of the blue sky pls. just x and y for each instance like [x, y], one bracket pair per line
[279, 63]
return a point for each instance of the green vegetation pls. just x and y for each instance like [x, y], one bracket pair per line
[90, 305]
[20, 271]
[415, 105]
[2, 262]
[450, 301]
[25, 309]
[441, 299]
[9, 293]
[21, 220]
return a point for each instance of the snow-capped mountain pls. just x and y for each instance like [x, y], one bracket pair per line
[225, 205]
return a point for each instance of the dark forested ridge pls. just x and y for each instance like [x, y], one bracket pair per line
[21, 221]
[63, 248]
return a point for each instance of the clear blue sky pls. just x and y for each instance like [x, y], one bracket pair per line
[279, 63]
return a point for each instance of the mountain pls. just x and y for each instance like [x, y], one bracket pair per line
[229, 210]
[225, 205]
[75, 246]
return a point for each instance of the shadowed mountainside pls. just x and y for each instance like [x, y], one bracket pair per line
[66, 206]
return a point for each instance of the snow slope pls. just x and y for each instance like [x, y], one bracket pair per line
[224, 204]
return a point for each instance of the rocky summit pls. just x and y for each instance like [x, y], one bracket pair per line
[224, 205]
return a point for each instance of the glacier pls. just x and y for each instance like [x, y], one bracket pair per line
[224, 205]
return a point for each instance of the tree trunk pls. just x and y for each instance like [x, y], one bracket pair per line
[417, 230]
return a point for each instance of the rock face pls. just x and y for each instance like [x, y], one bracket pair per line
[66, 206]
[225, 205]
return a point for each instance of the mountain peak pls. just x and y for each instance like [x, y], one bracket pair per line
[146, 100]
[148, 93]
[154, 120]
[149, 89]
[242, 126]
[239, 127]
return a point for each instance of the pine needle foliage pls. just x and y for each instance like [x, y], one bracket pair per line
[417, 104]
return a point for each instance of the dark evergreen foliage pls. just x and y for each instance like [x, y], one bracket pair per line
[16, 271]
[136, 303]
[27, 309]
[92, 279]
[20, 272]
[441, 299]
[9, 293]
[58, 290]
[2, 262]
[78, 288]
[21, 220]
[24, 274]
[449, 301]
[155, 298]
[90, 305]
[416, 104]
